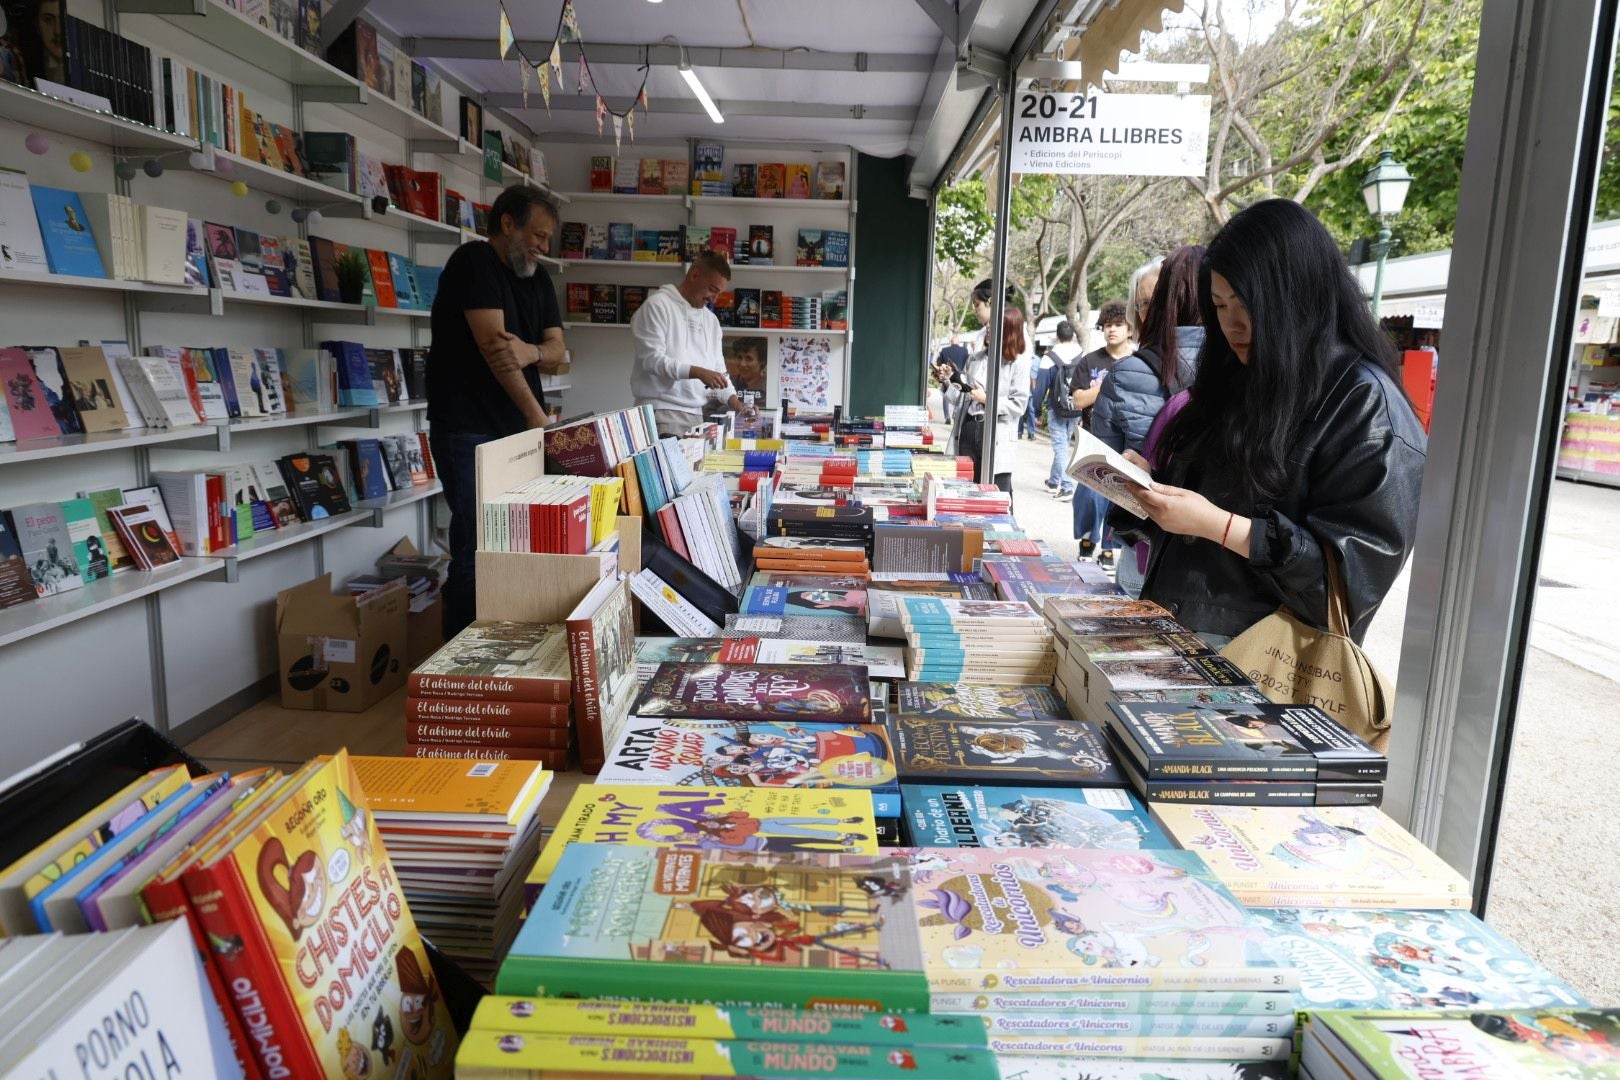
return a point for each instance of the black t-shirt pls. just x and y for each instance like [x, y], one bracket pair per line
[954, 355]
[463, 396]
[1097, 360]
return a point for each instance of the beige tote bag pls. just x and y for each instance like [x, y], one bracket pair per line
[1294, 663]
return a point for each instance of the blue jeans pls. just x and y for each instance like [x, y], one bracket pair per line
[1129, 579]
[1090, 517]
[1032, 411]
[453, 459]
[1061, 428]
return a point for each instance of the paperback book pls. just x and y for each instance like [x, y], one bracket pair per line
[988, 704]
[880, 661]
[829, 628]
[1522, 1043]
[934, 749]
[835, 693]
[1034, 817]
[1251, 741]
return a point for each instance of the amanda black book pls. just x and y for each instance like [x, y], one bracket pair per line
[1204, 742]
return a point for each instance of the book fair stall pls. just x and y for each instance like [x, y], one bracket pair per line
[777, 747]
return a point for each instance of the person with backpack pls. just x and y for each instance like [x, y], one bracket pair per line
[1090, 508]
[1062, 415]
[1165, 361]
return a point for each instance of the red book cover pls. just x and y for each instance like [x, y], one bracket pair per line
[551, 759]
[577, 450]
[188, 367]
[601, 173]
[221, 521]
[577, 524]
[381, 280]
[399, 187]
[427, 454]
[723, 240]
[504, 713]
[436, 733]
[422, 192]
[670, 523]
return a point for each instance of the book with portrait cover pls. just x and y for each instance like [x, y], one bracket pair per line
[834, 628]
[835, 693]
[1197, 742]
[1169, 673]
[47, 547]
[499, 661]
[740, 927]
[774, 600]
[932, 749]
[778, 754]
[712, 819]
[991, 704]
[967, 815]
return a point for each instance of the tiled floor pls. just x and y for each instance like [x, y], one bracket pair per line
[268, 734]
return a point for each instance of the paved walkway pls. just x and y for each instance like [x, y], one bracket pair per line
[1558, 864]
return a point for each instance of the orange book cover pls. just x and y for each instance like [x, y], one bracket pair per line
[381, 280]
[310, 929]
[401, 788]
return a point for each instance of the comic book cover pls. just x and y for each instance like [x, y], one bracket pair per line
[1564, 1044]
[305, 910]
[932, 749]
[880, 661]
[991, 703]
[1067, 919]
[834, 693]
[741, 927]
[1256, 741]
[1032, 817]
[1324, 856]
[712, 819]
[720, 753]
[1407, 959]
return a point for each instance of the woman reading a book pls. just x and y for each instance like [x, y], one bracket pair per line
[1296, 445]
[967, 388]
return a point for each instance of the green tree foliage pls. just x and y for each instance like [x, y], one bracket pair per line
[962, 225]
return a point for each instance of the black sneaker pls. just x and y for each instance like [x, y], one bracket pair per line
[1105, 559]
[1049, 485]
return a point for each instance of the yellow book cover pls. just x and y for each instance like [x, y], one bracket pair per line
[310, 930]
[418, 789]
[714, 819]
[33, 873]
[606, 495]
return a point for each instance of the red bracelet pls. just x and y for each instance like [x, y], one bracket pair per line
[1228, 531]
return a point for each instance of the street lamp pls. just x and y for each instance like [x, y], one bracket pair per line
[1384, 187]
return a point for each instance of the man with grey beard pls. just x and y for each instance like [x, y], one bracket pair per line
[496, 330]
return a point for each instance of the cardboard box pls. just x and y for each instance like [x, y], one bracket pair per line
[336, 654]
[424, 630]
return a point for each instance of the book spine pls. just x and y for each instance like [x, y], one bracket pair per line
[488, 688]
[276, 1034]
[587, 702]
[551, 759]
[165, 900]
[1146, 1046]
[1209, 1003]
[1060, 978]
[502, 713]
[434, 733]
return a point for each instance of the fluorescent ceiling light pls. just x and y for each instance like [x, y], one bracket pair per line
[701, 94]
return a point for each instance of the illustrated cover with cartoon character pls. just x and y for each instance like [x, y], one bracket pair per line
[833, 693]
[1073, 919]
[1031, 817]
[1406, 959]
[1199, 742]
[1039, 1067]
[1557, 1043]
[954, 701]
[712, 819]
[347, 951]
[757, 928]
[930, 749]
[682, 752]
[1321, 856]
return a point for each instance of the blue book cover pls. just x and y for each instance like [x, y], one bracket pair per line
[220, 361]
[774, 600]
[621, 240]
[70, 247]
[353, 372]
[425, 285]
[652, 489]
[835, 248]
[1365, 959]
[399, 270]
[1029, 817]
[370, 470]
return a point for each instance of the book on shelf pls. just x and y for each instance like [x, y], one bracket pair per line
[577, 302]
[626, 176]
[694, 240]
[498, 661]
[22, 248]
[601, 173]
[830, 180]
[604, 303]
[621, 241]
[596, 241]
[70, 247]
[315, 485]
[646, 245]
[650, 177]
[572, 242]
[835, 248]
[47, 547]
[745, 181]
[761, 245]
[796, 182]
[631, 297]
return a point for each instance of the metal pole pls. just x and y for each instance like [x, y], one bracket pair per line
[928, 306]
[1378, 274]
[998, 286]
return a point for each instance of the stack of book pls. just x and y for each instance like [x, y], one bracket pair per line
[880, 661]
[1260, 755]
[803, 555]
[996, 642]
[554, 515]
[950, 495]
[461, 834]
[1031, 580]
[883, 599]
[512, 1034]
[1532, 1042]
[1328, 856]
[497, 690]
[977, 815]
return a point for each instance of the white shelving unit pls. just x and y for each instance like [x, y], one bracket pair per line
[69, 281]
[39, 110]
[50, 612]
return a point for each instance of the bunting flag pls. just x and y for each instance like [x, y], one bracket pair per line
[630, 122]
[618, 129]
[641, 99]
[523, 66]
[556, 61]
[601, 113]
[545, 86]
[570, 23]
[508, 39]
[584, 72]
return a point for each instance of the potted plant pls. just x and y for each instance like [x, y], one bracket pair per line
[351, 275]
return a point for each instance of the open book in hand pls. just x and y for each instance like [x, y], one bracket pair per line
[1107, 472]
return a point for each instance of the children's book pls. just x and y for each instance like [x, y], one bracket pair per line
[739, 927]
[933, 749]
[1075, 919]
[992, 704]
[1326, 856]
[781, 754]
[1199, 742]
[712, 819]
[1032, 817]
[836, 693]
[1524, 1043]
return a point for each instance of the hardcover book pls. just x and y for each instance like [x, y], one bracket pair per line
[1331, 856]
[712, 753]
[1253, 741]
[935, 749]
[833, 628]
[601, 653]
[712, 819]
[772, 600]
[1524, 1043]
[984, 704]
[763, 929]
[493, 660]
[1079, 919]
[836, 693]
[1032, 817]
[1350, 959]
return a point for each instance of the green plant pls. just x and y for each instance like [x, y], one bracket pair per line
[351, 276]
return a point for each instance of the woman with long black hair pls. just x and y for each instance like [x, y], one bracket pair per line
[1296, 444]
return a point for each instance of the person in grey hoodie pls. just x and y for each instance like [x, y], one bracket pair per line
[1165, 362]
[679, 363]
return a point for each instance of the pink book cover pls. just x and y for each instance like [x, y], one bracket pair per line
[31, 415]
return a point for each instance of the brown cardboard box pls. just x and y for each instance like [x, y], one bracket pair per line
[337, 654]
[424, 630]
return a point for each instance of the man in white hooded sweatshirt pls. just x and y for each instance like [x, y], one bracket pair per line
[679, 362]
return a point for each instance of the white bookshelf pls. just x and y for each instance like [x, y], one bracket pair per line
[70, 281]
[230, 167]
[33, 617]
[363, 512]
[614, 197]
[34, 109]
[233, 33]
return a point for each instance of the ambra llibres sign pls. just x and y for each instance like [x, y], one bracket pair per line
[1111, 134]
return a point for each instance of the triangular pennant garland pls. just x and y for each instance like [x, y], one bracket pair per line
[570, 22]
[618, 130]
[545, 86]
[556, 61]
[630, 122]
[508, 39]
[523, 65]
[583, 78]
[601, 112]
[642, 99]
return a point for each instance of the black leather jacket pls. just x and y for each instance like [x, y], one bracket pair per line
[1358, 470]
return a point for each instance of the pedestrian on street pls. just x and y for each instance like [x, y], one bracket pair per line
[1061, 412]
[955, 357]
[1090, 507]
[977, 420]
